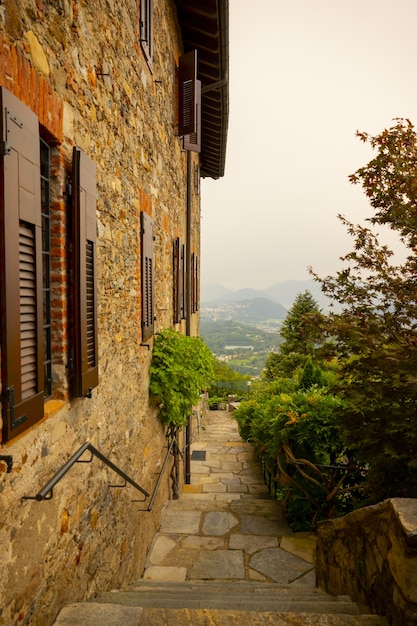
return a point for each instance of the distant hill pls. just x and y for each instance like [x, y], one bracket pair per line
[260, 309]
[283, 293]
[213, 291]
[286, 292]
[250, 310]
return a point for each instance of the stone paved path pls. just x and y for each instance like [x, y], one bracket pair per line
[224, 555]
[225, 526]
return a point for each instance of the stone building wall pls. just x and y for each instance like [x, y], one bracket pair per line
[371, 554]
[79, 66]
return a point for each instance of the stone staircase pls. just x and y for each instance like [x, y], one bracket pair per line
[224, 556]
[216, 603]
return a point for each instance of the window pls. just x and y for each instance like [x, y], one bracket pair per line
[26, 252]
[147, 274]
[146, 31]
[189, 102]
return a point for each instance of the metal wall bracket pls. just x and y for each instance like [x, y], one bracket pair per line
[8, 459]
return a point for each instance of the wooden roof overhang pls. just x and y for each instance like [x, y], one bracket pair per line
[204, 27]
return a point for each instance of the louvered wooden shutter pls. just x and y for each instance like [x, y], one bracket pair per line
[195, 285]
[193, 141]
[187, 94]
[177, 280]
[147, 271]
[146, 30]
[21, 268]
[183, 263]
[84, 274]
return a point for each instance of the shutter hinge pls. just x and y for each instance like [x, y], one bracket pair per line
[8, 397]
[4, 148]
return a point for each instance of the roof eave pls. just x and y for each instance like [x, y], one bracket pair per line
[205, 27]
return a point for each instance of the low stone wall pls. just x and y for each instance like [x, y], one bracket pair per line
[371, 554]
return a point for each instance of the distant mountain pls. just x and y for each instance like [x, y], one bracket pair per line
[261, 309]
[249, 311]
[286, 292]
[244, 294]
[214, 291]
[283, 293]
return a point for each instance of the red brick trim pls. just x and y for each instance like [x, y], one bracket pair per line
[21, 78]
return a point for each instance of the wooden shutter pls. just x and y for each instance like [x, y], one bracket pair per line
[183, 276]
[21, 267]
[193, 141]
[187, 94]
[146, 30]
[147, 272]
[195, 285]
[177, 295]
[84, 274]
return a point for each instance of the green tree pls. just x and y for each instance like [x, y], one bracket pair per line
[375, 334]
[300, 337]
[312, 375]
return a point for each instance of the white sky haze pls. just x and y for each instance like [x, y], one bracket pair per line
[305, 75]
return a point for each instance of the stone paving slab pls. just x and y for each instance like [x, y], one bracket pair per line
[166, 573]
[105, 614]
[183, 522]
[251, 543]
[218, 565]
[283, 567]
[218, 523]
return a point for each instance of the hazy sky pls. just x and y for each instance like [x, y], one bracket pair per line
[304, 76]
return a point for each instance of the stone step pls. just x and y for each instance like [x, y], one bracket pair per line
[92, 614]
[207, 617]
[232, 596]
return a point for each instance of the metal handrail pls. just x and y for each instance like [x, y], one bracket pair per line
[46, 493]
[158, 483]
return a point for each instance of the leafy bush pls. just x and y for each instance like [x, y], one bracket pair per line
[297, 433]
[181, 368]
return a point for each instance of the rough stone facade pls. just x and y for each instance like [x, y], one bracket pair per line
[371, 554]
[78, 65]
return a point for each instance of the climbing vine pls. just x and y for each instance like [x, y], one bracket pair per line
[181, 368]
